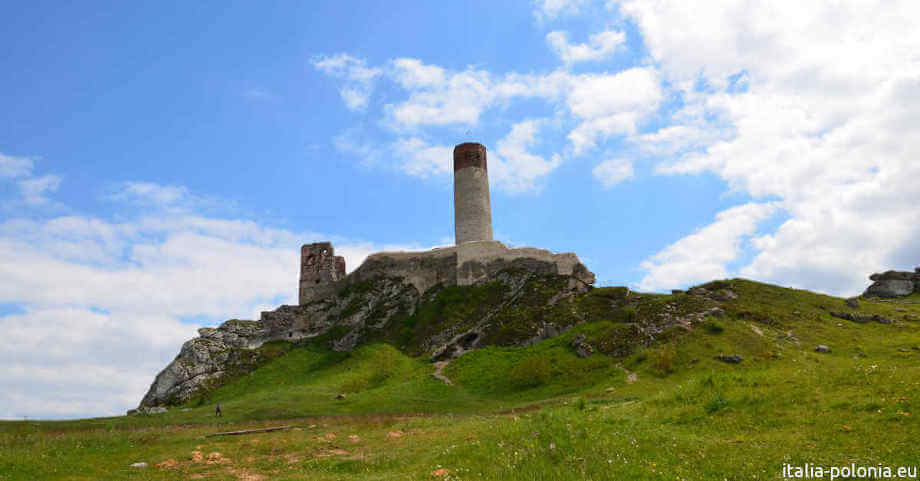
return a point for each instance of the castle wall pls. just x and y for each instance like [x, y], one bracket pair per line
[476, 261]
[467, 264]
[472, 207]
[421, 269]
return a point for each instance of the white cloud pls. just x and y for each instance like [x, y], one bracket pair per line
[34, 189]
[443, 97]
[107, 300]
[823, 118]
[459, 99]
[599, 46]
[416, 157]
[613, 171]
[550, 9]
[703, 255]
[610, 104]
[515, 169]
[412, 73]
[150, 193]
[605, 103]
[813, 105]
[358, 78]
[600, 95]
[11, 166]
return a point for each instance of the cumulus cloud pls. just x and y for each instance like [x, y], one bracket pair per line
[550, 9]
[11, 166]
[416, 157]
[613, 171]
[704, 255]
[610, 104]
[412, 73]
[358, 78]
[603, 104]
[829, 130]
[35, 189]
[458, 99]
[813, 106]
[98, 299]
[599, 46]
[148, 192]
[513, 167]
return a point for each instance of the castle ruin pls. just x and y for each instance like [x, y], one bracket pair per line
[472, 208]
[474, 258]
[320, 269]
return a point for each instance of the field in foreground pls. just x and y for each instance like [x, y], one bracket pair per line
[669, 411]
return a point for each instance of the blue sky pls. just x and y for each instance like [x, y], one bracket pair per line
[160, 163]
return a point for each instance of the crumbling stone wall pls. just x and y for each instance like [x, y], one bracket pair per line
[477, 261]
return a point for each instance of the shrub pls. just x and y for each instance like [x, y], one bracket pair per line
[712, 327]
[663, 360]
[717, 403]
[531, 372]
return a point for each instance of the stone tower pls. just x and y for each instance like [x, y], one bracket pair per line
[472, 209]
[320, 268]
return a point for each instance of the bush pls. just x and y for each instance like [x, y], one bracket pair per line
[663, 360]
[712, 328]
[629, 313]
[531, 372]
[717, 403]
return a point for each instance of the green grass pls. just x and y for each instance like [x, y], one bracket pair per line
[540, 413]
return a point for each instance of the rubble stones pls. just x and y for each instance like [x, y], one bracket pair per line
[861, 318]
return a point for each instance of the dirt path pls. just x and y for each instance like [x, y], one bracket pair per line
[438, 368]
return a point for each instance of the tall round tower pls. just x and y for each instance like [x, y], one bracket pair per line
[472, 209]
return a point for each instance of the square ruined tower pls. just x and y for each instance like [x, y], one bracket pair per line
[320, 268]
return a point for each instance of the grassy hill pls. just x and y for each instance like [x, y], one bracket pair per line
[668, 410]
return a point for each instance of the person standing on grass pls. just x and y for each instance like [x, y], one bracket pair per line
[218, 413]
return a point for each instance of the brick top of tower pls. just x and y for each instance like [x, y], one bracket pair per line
[470, 154]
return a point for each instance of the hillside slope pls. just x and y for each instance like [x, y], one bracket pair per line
[667, 408]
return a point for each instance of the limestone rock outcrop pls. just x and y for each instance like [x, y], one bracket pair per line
[894, 284]
[207, 359]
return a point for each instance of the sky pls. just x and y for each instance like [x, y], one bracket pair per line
[162, 162]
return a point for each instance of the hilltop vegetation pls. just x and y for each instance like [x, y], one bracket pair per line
[652, 402]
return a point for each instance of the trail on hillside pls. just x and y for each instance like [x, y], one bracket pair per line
[438, 372]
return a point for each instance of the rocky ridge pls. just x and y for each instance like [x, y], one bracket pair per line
[417, 304]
